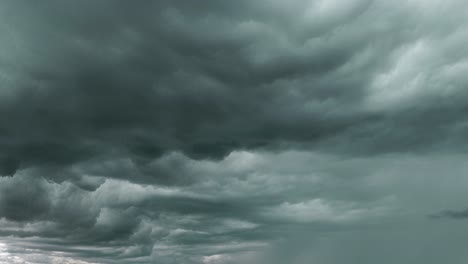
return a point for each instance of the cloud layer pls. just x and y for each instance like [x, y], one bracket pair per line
[232, 132]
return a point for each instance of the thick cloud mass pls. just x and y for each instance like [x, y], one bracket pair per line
[233, 131]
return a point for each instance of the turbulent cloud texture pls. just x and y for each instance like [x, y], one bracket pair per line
[217, 131]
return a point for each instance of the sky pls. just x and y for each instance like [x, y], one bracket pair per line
[233, 132]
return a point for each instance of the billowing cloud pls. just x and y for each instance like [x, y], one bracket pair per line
[91, 80]
[232, 131]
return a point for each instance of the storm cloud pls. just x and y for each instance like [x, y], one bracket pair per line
[232, 131]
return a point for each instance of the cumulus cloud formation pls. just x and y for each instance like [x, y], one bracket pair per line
[232, 131]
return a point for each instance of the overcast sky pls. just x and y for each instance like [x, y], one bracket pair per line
[233, 131]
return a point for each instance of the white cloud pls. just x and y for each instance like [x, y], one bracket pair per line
[216, 259]
[35, 257]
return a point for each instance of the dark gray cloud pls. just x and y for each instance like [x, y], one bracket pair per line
[237, 204]
[453, 214]
[141, 80]
[23, 199]
[231, 131]
[235, 207]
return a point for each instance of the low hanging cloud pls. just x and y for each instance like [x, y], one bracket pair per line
[232, 132]
[90, 80]
[451, 214]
